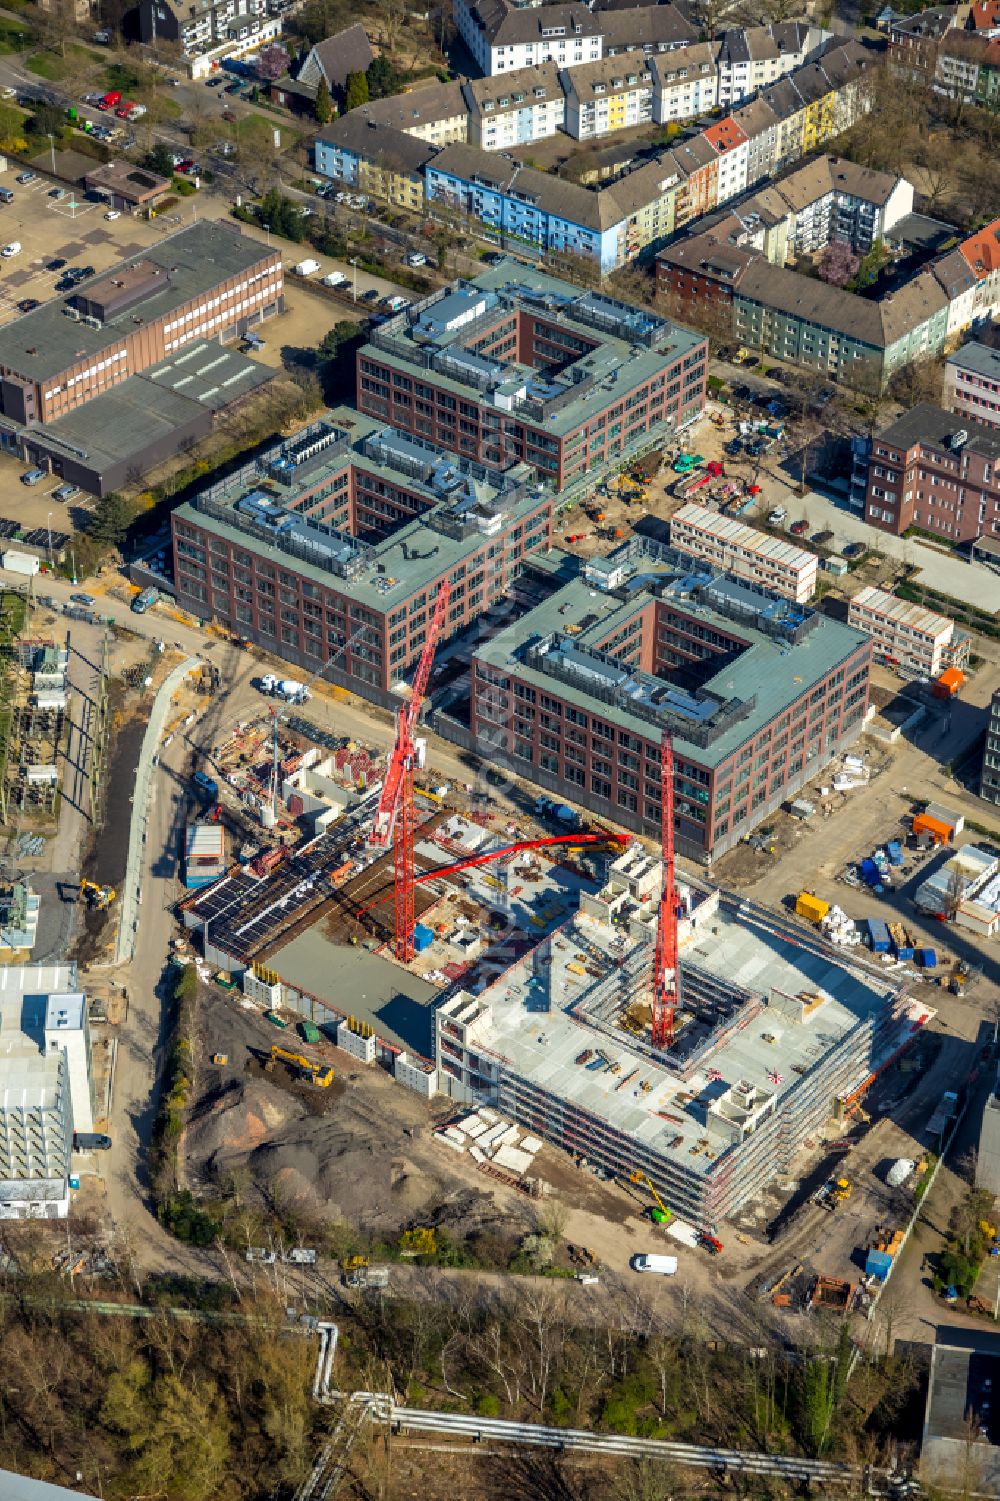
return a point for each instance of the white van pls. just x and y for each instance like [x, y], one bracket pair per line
[334, 279]
[14, 248]
[664, 1266]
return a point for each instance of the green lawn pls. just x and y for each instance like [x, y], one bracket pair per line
[51, 66]
[258, 130]
[13, 35]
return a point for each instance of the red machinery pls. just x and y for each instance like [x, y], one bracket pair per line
[665, 978]
[395, 816]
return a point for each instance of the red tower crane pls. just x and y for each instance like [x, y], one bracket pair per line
[395, 818]
[666, 979]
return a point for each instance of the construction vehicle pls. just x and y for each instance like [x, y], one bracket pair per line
[659, 1213]
[834, 1193]
[220, 1059]
[367, 1276]
[321, 1074]
[712, 1243]
[353, 1263]
[96, 896]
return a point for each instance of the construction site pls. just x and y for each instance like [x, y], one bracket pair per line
[36, 705]
[659, 1031]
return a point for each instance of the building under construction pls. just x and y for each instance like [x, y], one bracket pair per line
[770, 1030]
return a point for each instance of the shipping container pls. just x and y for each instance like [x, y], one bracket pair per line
[894, 851]
[811, 906]
[927, 958]
[20, 562]
[878, 1264]
[878, 935]
[309, 1032]
[870, 873]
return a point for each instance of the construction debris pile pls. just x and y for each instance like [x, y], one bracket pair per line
[495, 1146]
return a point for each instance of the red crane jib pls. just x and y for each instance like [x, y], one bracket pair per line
[510, 849]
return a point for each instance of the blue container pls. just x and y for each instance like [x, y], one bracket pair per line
[927, 957]
[878, 935]
[877, 1264]
[894, 851]
[422, 937]
[904, 952]
[870, 872]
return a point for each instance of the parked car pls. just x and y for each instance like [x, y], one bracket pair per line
[55, 265]
[733, 447]
[65, 492]
[854, 549]
[28, 304]
[798, 527]
[112, 213]
[370, 296]
[83, 599]
[14, 248]
[24, 178]
[416, 258]
[32, 476]
[777, 516]
[57, 193]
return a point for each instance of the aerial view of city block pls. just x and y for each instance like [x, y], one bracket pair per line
[499, 750]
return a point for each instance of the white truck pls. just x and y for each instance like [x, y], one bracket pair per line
[334, 279]
[290, 689]
[19, 562]
[664, 1266]
[306, 268]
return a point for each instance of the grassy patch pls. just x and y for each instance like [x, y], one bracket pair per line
[258, 130]
[55, 69]
[13, 35]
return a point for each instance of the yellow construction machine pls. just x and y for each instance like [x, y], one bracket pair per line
[321, 1074]
[97, 896]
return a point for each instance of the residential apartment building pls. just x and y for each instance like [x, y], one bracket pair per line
[919, 641]
[378, 160]
[613, 94]
[208, 32]
[505, 112]
[989, 777]
[771, 563]
[972, 384]
[913, 41]
[687, 82]
[937, 471]
[524, 209]
[758, 693]
[752, 58]
[437, 113]
[519, 367]
[329, 549]
[503, 37]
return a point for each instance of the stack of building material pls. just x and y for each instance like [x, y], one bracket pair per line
[840, 928]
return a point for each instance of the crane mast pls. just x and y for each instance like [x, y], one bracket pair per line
[395, 818]
[666, 977]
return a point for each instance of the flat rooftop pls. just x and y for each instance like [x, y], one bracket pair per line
[787, 648]
[42, 343]
[399, 1005]
[463, 501]
[203, 377]
[630, 343]
[536, 1016]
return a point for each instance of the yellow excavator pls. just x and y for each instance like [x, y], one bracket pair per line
[97, 896]
[321, 1074]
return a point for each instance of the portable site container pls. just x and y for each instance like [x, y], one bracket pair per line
[927, 958]
[810, 906]
[949, 683]
[309, 1031]
[878, 935]
[894, 851]
[878, 1264]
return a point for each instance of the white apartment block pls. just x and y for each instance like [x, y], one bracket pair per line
[515, 111]
[503, 39]
[754, 57]
[210, 30]
[687, 82]
[920, 641]
[769, 562]
[613, 94]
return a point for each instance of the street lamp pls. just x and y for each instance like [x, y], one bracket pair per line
[267, 230]
[52, 150]
[354, 263]
[48, 528]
